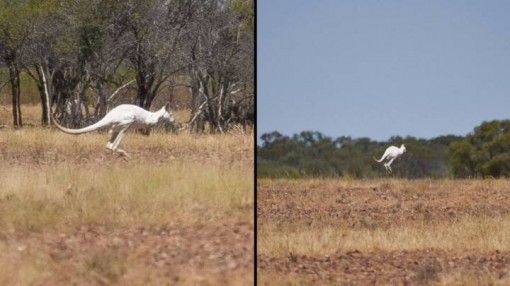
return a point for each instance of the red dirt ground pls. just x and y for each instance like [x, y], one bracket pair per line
[218, 254]
[381, 205]
[172, 254]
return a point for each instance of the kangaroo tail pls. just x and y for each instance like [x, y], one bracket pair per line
[380, 160]
[98, 125]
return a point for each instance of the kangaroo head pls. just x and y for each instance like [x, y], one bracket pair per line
[168, 113]
[403, 148]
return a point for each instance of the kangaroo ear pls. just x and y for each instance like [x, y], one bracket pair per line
[167, 106]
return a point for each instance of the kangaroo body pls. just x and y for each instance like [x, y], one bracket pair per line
[120, 119]
[391, 154]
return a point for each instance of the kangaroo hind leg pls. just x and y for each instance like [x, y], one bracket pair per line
[113, 138]
[389, 166]
[118, 139]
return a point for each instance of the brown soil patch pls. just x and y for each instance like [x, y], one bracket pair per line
[138, 154]
[171, 253]
[380, 203]
[383, 204]
[387, 268]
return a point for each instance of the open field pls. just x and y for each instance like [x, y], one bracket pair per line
[179, 212]
[383, 232]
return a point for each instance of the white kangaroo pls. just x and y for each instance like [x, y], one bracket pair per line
[120, 119]
[391, 154]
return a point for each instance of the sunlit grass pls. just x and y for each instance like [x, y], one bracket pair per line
[327, 217]
[325, 235]
[483, 234]
[54, 184]
[32, 198]
[52, 139]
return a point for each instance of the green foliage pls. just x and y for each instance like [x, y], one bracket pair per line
[13, 22]
[483, 153]
[43, 7]
[311, 154]
[91, 40]
[244, 11]
[460, 161]
[424, 158]
[269, 169]
[16, 19]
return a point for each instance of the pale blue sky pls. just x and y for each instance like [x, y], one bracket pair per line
[378, 68]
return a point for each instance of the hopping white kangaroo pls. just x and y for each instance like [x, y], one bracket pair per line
[120, 119]
[391, 154]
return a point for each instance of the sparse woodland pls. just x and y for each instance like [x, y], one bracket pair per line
[83, 57]
[180, 211]
[484, 152]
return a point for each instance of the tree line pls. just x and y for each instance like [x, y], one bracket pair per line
[484, 152]
[81, 54]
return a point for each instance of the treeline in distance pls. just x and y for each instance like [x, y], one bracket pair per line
[485, 152]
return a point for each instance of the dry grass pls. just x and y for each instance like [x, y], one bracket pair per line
[180, 211]
[475, 229]
[270, 278]
[311, 219]
[49, 140]
[34, 198]
[481, 234]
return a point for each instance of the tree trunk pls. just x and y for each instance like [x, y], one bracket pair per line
[197, 105]
[67, 96]
[101, 106]
[144, 93]
[44, 106]
[42, 86]
[15, 91]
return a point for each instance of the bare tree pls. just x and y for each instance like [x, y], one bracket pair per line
[104, 46]
[154, 31]
[44, 56]
[14, 31]
[82, 51]
[79, 50]
[222, 65]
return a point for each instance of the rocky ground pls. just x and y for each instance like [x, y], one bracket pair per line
[383, 205]
[153, 255]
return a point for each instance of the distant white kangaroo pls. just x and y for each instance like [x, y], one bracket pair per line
[391, 154]
[120, 119]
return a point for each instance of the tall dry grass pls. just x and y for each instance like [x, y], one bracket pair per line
[477, 233]
[197, 178]
[52, 140]
[51, 182]
[474, 230]
[183, 193]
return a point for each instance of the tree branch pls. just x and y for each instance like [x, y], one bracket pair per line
[118, 89]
